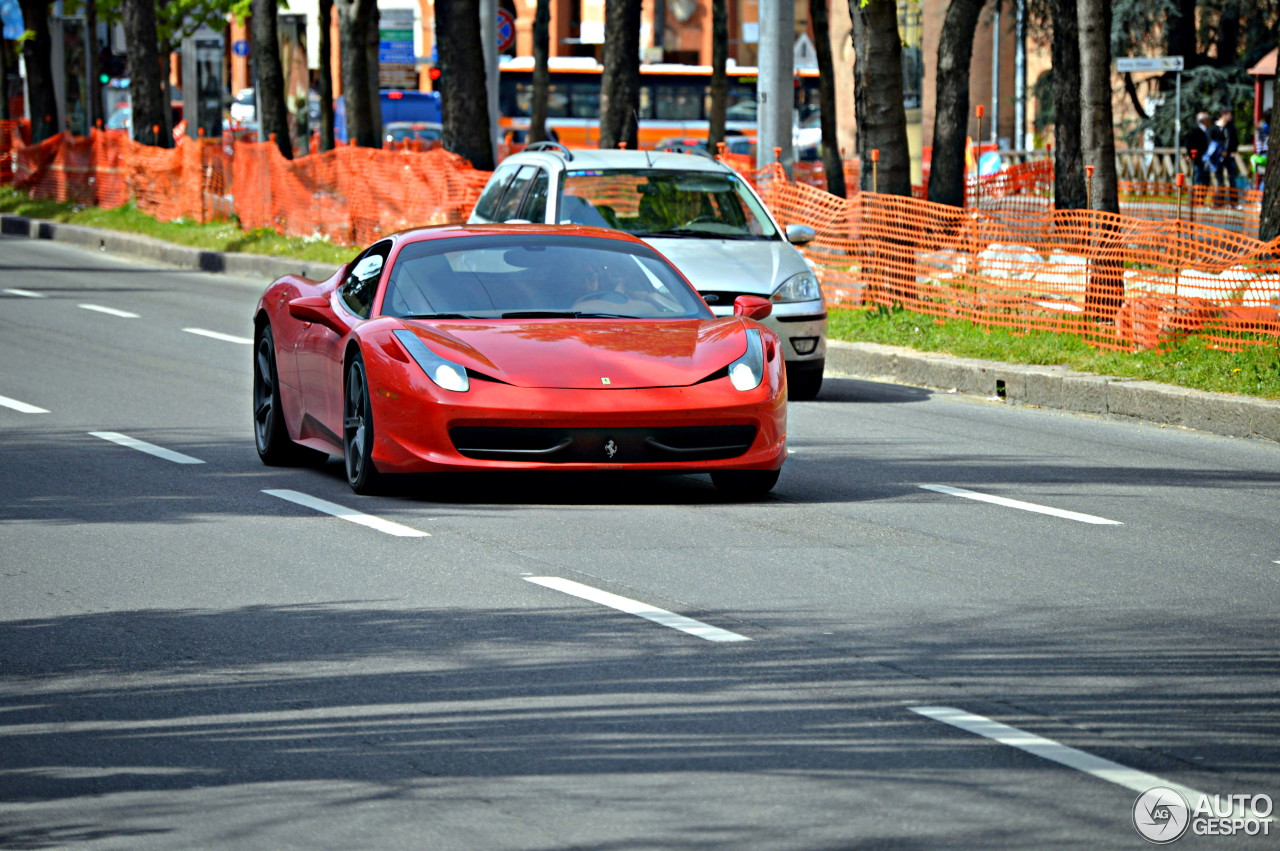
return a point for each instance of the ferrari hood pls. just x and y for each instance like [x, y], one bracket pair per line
[734, 265]
[592, 353]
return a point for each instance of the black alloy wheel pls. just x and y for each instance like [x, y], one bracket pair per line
[357, 431]
[270, 434]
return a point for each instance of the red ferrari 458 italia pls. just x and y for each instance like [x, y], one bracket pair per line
[516, 347]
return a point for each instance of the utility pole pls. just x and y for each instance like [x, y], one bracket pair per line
[775, 88]
[489, 42]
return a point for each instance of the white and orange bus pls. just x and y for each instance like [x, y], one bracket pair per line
[674, 100]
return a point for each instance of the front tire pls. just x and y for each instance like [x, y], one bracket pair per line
[357, 431]
[804, 383]
[270, 434]
[745, 484]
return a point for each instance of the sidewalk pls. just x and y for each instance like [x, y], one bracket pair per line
[1042, 386]
[1060, 388]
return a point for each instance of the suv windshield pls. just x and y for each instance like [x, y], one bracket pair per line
[650, 203]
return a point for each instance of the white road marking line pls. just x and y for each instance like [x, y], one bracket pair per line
[634, 607]
[143, 446]
[110, 311]
[215, 335]
[24, 293]
[21, 407]
[1103, 769]
[1025, 506]
[345, 513]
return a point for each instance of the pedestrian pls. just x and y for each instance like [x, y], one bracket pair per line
[1224, 165]
[1196, 142]
[1259, 159]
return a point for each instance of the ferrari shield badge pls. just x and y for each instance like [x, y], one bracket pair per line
[604, 379]
[611, 449]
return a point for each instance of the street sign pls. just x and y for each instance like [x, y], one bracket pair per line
[240, 47]
[1126, 64]
[397, 59]
[506, 30]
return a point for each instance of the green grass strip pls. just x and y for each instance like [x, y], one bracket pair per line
[212, 236]
[1192, 362]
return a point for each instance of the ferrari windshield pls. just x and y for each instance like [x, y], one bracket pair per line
[532, 275]
[676, 204]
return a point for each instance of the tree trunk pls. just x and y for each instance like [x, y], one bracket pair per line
[955, 53]
[326, 75]
[93, 109]
[371, 36]
[719, 78]
[1097, 127]
[881, 119]
[831, 162]
[1104, 290]
[464, 100]
[273, 113]
[620, 83]
[541, 76]
[1269, 221]
[1068, 163]
[146, 89]
[352, 18]
[38, 54]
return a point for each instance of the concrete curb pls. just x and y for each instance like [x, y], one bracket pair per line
[1060, 388]
[259, 266]
[1042, 386]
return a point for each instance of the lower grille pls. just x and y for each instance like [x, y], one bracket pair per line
[603, 445]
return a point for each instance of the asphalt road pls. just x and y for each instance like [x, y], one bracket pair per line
[193, 656]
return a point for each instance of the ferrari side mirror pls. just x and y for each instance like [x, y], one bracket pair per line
[316, 309]
[752, 307]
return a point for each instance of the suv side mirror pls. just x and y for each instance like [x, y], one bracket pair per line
[800, 234]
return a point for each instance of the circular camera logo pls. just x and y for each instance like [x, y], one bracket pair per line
[1161, 815]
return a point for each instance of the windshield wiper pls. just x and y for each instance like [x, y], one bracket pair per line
[438, 316]
[562, 314]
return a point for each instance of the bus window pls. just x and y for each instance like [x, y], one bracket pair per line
[675, 102]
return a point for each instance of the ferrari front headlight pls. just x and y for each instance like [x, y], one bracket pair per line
[801, 287]
[445, 373]
[747, 372]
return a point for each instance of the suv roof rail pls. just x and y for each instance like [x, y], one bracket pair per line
[550, 146]
[685, 149]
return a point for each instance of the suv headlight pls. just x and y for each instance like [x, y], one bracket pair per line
[747, 372]
[445, 373]
[801, 287]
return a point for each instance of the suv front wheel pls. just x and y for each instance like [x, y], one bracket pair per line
[804, 380]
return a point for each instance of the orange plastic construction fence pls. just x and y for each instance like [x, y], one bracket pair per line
[1116, 281]
[12, 132]
[349, 195]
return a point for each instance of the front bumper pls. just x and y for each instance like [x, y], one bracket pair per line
[419, 428]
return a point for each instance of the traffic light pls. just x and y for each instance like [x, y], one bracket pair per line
[434, 75]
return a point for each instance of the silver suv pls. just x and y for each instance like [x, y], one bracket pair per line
[695, 210]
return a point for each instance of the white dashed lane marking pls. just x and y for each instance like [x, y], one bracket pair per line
[143, 446]
[217, 335]
[110, 311]
[1103, 769]
[1024, 506]
[635, 607]
[23, 293]
[348, 514]
[21, 407]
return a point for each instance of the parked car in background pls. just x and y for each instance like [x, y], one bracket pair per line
[695, 210]
[422, 135]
